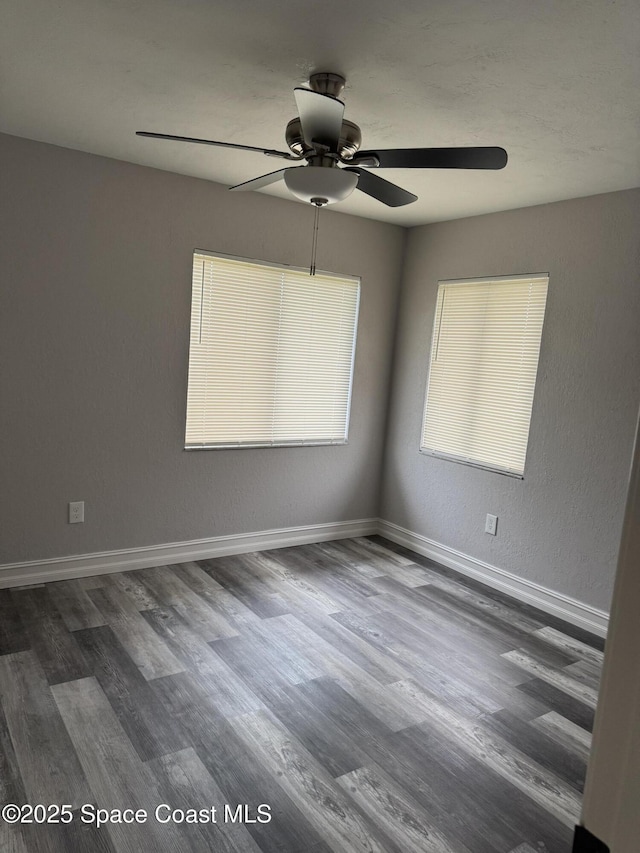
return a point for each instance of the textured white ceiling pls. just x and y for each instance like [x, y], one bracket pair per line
[555, 82]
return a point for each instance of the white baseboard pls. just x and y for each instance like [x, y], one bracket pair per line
[84, 565]
[555, 603]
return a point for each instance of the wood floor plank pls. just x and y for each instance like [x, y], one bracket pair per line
[465, 583]
[474, 804]
[557, 678]
[333, 637]
[211, 671]
[143, 644]
[235, 612]
[214, 595]
[178, 693]
[12, 839]
[349, 675]
[565, 732]
[55, 647]
[570, 645]
[464, 690]
[13, 635]
[480, 607]
[347, 588]
[385, 704]
[376, 558]
[425, 607]
[164, 588]
[301, 582]
[330, 746]
[279, 639]
[294, 586]
[473, 660]
[390, 558]
[168, 589]
[194, 576]
[237, 770]
[429, 781]
[74, 837]
[586, 673]
[325, 568]
[473, 652]
[396, 812]
[347, 560]
[278, 692]
[131, 586]
[229, 573]
[535, 743]
[11, 785]
[93, 581]
[557, 700]
[148, 726]
[309, 786]
[470, 614]
[261, 674]
[521, 771]
[74, 605]
[187, 784]
[114, 771]
[49, 768]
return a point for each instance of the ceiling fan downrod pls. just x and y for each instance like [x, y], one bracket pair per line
[318, 202]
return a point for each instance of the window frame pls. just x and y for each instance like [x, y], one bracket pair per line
[275, 444]
[462, 460]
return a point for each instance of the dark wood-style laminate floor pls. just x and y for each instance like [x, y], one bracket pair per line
[372, 699]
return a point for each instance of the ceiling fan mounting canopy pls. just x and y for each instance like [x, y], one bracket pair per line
[336, 165]
[327, 83]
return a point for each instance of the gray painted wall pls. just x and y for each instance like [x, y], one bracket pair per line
[560, 527]
[95, 271]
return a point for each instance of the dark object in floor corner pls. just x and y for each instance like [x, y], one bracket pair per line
[585, 842]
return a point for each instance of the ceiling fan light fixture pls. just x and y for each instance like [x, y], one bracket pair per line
[320, 182]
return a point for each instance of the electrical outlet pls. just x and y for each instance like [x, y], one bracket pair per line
[491, 524]
[76, 512]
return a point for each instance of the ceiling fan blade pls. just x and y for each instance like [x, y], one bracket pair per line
[384, 191]
[320, 116]
[263, 180]
[270, 152]
[435, 158]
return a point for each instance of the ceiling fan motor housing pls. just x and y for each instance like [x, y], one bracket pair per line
[349, 142]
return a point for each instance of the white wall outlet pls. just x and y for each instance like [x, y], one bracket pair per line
[491, 524]
[76, 512]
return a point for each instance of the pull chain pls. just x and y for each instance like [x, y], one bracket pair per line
[314, 242]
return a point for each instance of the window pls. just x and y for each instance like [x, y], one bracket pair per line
[271, 354]
[482, 374]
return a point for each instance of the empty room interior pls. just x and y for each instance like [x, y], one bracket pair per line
[319, 389]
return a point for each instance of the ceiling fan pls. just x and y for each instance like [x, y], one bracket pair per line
[335, 164]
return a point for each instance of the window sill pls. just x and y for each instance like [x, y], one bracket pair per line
[250, 445]
[472, 464]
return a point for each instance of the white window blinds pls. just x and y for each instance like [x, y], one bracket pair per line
[271, 354]
[482, 375]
